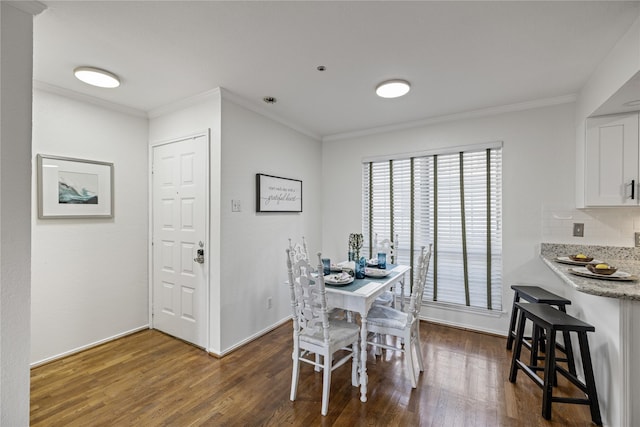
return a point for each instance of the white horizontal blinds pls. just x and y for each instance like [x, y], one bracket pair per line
[476, 219]
[401, 231]
[495, 205]
[453, 200]
[450, 284]
[366, 209]
[380, 214]
[423, 218]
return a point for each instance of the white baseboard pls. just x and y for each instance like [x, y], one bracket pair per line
[249, 339]
[88, 346]
[462, 326]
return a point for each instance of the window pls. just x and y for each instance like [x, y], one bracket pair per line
[453, 200]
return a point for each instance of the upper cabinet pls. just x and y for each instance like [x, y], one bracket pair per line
[612, 161]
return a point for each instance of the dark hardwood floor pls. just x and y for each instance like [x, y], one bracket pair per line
[151, 379]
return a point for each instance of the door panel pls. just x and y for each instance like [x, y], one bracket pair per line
[180, 288]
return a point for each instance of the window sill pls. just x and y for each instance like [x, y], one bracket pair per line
[464, 309]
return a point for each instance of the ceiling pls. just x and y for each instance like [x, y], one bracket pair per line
[458, 56]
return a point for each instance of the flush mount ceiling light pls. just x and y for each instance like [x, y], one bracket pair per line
[393, 88]
[97, 77]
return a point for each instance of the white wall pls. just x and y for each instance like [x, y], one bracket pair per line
[538, 170]
[16, 44]
[188, 117]
[253, 261]
[89, 276]
[247, 250]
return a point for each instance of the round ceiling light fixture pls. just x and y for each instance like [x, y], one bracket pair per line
[393, 88]
[97, 77]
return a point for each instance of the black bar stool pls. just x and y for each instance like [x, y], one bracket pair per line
[536, 294]
[552, 321]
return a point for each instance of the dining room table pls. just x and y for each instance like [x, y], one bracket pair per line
[358, 296]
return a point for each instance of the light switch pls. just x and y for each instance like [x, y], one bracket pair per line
[235, 206]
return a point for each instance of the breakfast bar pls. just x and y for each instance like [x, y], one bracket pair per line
[613, 307]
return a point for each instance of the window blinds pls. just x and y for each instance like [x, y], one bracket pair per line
[453, 200]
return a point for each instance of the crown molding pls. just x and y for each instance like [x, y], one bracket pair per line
[484, 112]
[46, 87]
[31, 7]
[263, 111]
[184, 103]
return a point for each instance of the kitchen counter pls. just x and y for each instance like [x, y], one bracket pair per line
[615, 345]
[625, 259]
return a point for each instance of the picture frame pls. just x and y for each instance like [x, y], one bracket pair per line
[277, 194]
[74, 188]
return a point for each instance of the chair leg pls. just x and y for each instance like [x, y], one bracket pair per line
[295, 374]
[419, 348]
[355, 364]
[408, 353]
[326, 384]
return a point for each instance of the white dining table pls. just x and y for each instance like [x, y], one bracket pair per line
[358, 297]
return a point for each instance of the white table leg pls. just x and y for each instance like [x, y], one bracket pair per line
[363, 357]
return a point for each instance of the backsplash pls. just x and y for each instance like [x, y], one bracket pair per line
[602, 226]
[553, 250]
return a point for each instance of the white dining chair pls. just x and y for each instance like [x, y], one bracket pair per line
[387, 246]
[388, 321]
[313, 332]
[387, 298]
[299, 250]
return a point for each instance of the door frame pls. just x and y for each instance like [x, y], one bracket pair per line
[207, 273]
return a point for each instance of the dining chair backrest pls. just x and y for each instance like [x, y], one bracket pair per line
[420, 282]
[299, 250]
[308, 297]
[387, 246]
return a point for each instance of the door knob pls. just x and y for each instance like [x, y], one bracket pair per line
[200, 254]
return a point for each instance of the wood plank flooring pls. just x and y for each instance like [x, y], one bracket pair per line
[151, 379]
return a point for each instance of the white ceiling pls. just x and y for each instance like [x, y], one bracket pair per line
[458, 56]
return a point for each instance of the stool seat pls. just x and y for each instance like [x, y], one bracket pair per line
[539, 295]
[552, 321]
[548, 317]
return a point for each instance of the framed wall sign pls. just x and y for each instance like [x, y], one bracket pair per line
[276, 194]
[74, 188]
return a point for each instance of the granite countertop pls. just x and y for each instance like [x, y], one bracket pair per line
[625, 259]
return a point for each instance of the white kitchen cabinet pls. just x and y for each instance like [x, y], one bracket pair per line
[612, 161]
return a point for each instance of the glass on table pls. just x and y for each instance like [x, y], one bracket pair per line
[382, 260]
[326, 266]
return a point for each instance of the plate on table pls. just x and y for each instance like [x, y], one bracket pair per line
[336, 268]
[376, 272]
[339, 279]
[570, 261]
[618, 275]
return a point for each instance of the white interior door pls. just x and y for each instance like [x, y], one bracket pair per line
[179, 199]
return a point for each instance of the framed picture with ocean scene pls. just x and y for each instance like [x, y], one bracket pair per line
[74, 188]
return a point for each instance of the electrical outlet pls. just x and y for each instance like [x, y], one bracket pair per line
[235, 206]
[637, 239]
[578, 229]
[269, 303]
